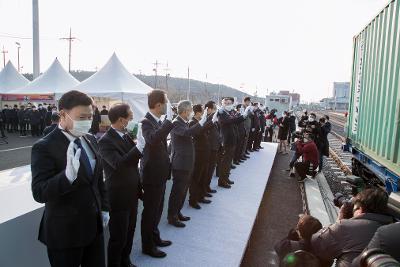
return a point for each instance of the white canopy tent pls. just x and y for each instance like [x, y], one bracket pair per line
[54, 81]
[115, 82]
[11, 79]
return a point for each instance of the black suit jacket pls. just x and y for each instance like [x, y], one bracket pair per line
[49, 129]
[72, 213]
[120, 161]
[200, 139]
[227, 127]
[155, 164]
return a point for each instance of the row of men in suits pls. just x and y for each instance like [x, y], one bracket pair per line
[67, 175]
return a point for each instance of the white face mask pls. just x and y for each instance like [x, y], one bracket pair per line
[80, 128]
[191, 115]
[130, 126]
[311, 119]
[228, 107]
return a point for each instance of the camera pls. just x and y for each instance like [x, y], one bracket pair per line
[340, 199]
[377, 258]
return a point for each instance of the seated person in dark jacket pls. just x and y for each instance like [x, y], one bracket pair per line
[387, 239]
[55, 119]
[299, 238]
[347, 238]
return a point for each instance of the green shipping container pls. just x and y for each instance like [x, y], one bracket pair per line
[374, 114]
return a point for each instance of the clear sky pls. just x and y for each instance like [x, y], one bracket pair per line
[266, 45]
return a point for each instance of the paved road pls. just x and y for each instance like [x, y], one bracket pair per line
[17, 152]
[278, 212]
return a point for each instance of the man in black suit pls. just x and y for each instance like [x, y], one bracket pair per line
[155, 170]
[197, 189]
[121, 159]
[55, 119]
[229, 138]
[67, 176]
[43, 112]
[182, 156]
[214, 144]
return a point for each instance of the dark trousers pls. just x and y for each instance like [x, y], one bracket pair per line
[268, 134]
[42, 126]
[303, 168]
[250, 141]
[92, 255]
[226, 163]
[246, 141]
[212, 162]
[220, 155]
[22, 128]
[321, 159]
[35, 129]
[153, 203]
[239, 148]
[2, 130]
[197, 189]
[180, 186]
[122, 229]
[15, 125]
[257, 139]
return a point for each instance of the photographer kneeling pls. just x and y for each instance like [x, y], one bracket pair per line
[308, 149]
[346, 239]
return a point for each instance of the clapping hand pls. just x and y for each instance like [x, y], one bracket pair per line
[215, 117]
[203, 117]
[170, 113]
[140, 142]
[72, 168]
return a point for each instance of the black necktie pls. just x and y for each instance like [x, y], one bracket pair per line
[159, 122]
[84, 157]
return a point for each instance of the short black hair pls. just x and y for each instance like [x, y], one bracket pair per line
[247, 98]
[15, 106]
[313, 114]
[327, 117]
[210, 104]
[322, 120]
[6, 105]
[118, 111]
[238, 106]
[72, 99]
[154, 97]
[197, 108]
[55, 117]
[372, 200]
[104, 107]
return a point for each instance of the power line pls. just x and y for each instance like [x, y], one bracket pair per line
[4, 52]
[70, 39]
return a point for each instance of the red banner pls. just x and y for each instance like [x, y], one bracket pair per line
[9, 97]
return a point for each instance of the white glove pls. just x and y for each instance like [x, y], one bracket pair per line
[241, 110]
[215, 117]
[106, 218]
[140, 142]
[170, 113]
[220, 110]
[203, 117]
[248, 110]
[72, 168]
[253, 129]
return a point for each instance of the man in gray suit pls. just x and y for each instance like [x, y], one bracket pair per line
[182, 151]
[247, 127]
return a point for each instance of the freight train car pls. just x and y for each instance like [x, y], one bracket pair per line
[373, 123]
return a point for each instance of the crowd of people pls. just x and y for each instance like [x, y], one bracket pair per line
[68, 165]
[26, 119]
[364, 232]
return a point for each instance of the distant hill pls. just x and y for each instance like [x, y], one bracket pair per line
[200, 91]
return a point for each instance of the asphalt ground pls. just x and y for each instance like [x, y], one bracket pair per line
[278, 213]
[17, 152]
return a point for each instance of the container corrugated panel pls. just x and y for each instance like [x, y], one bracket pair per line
[374, 113]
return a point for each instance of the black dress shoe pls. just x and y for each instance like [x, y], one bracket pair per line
[233, 167]
[208, 195]
[155, 253]
[194, 205]
[183, 218]
[176, 223]
[230, 182]
[236, 162]
[247, 153]
[224, 185]
[163, 243]
[129, 265]
[205, 201]
[256, 150]
[211, 191]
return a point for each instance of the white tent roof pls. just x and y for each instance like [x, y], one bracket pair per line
[11, 79]
[114, 81]
[113, 78]
[56, 80]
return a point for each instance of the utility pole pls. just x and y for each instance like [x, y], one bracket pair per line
[4, 56]
[18, 48]
[70, 39]
[188, 92]
[155, 71]
[166, 76]
[35, 38]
